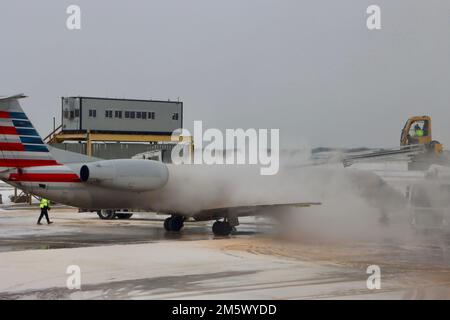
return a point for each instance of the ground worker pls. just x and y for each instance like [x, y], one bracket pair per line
[418, 131]
[44, 204]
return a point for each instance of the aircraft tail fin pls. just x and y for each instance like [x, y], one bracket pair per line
[20, 144]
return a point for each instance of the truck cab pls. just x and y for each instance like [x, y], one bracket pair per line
[410, 134]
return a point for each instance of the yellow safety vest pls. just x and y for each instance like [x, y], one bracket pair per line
[43, 203]
[419, 133]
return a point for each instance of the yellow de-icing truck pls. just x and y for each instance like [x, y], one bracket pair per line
[416, 143]
[410, 137]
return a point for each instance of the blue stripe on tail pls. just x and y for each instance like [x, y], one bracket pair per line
[18, 115]
[27, 132]
[31, 140]
[22, 123]
[35, 148]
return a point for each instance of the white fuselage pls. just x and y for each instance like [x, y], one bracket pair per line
[61, 184]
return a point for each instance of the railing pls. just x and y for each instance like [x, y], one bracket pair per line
[48, 138]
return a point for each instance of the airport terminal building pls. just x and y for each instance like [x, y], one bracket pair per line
[111, 128]
[109, 115]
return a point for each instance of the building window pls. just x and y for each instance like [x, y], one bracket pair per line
[118, 114]
[72, 114]
[144, 115]
[77, 113]
[151, 115]
[92, 113]
[138, 115]
[132, 114]
[127, 114]
[108, 114]
[175, 116]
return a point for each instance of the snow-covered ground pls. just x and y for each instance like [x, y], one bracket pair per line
[136, 259]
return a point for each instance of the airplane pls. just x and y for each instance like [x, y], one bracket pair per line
[107, 185]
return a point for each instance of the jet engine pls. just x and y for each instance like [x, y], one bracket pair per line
[126, 174]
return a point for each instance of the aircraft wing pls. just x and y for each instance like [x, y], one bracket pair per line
[250, 210]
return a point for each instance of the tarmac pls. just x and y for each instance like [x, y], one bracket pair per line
[138, 259]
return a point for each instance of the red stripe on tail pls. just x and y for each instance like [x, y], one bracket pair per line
[8, 130]
[4, 114]
[11, 146]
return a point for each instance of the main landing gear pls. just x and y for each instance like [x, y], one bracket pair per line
[225, 227]
[222, 228]
[174, 223]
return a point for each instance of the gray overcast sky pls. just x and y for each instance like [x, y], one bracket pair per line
[310, 68]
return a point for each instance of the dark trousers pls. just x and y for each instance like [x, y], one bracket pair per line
[44, 212]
